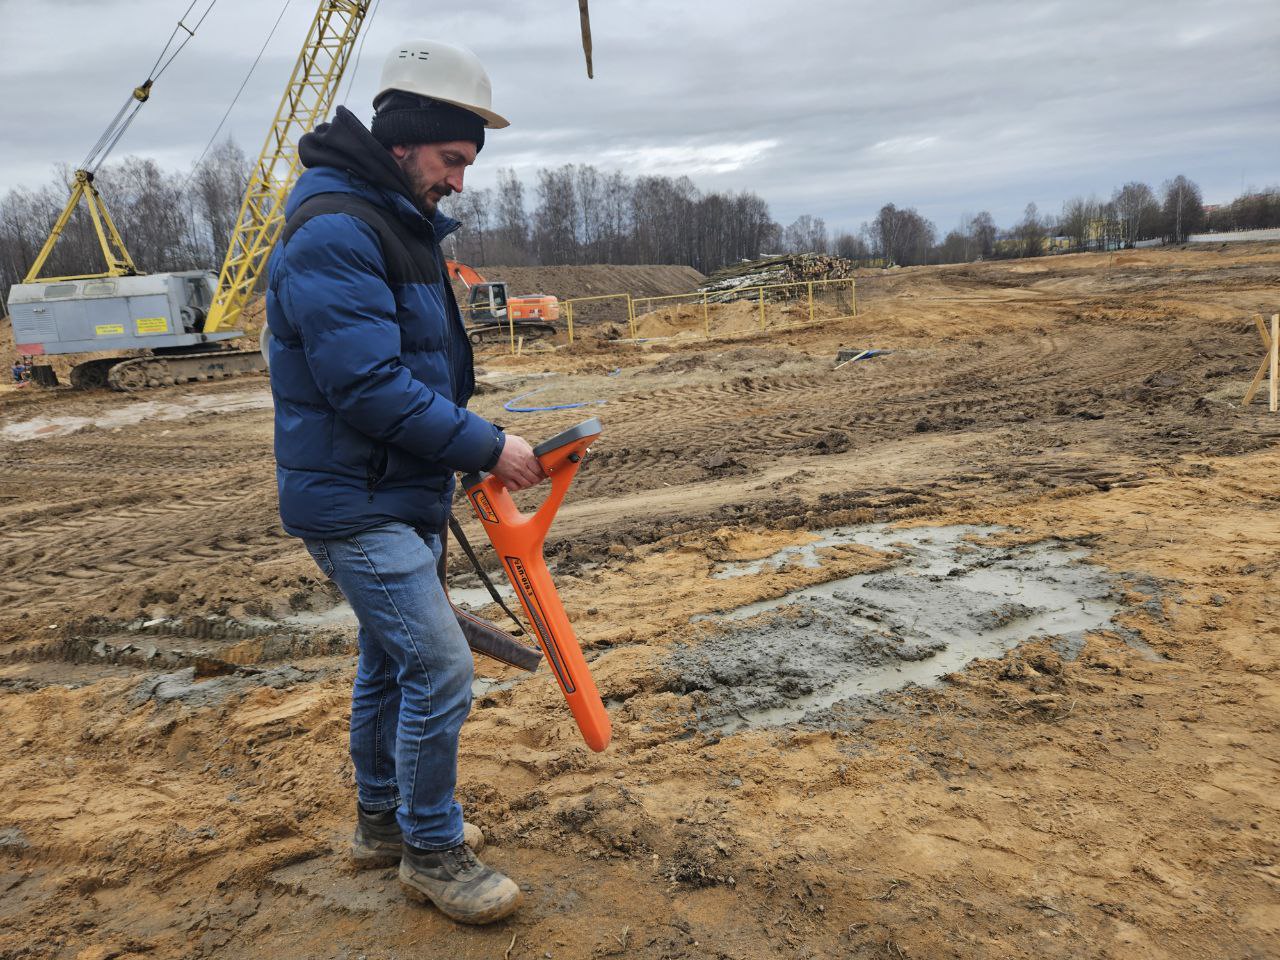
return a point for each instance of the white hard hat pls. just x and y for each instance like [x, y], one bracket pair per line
[441, 71]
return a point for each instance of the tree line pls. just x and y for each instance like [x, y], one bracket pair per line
[1134, 213]
[578, 214]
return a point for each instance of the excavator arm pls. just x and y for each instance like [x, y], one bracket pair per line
[469, 275]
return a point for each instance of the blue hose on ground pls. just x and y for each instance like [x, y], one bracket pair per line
[508, 406]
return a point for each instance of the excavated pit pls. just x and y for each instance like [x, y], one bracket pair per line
[949, 596]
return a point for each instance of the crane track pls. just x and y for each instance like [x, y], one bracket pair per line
[140, 373]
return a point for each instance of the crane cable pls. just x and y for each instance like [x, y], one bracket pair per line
[125, 116]
[368, 22]
[195, 167]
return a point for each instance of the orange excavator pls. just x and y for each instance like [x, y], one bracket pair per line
[490, 313]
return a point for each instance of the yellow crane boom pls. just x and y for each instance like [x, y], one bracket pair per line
[306, 101]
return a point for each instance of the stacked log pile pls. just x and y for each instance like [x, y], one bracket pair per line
[740, 281]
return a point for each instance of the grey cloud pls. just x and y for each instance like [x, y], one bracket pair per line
[947, 107]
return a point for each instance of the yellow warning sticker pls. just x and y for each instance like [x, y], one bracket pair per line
[108, 329]
[152, 324]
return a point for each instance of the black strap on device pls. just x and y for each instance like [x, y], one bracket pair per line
[461, 537]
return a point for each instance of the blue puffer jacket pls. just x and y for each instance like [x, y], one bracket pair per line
[371, 368]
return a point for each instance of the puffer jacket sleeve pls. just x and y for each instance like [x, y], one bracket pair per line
[334, 288]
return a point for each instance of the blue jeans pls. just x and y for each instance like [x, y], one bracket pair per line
[413, 681]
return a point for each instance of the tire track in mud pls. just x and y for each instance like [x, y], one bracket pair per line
[91, 512]
[87, 517]
[1025, 380]
[97, 548]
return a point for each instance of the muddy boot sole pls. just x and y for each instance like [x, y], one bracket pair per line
[499, 911]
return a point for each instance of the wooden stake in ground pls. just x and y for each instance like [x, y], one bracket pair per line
[1275, 358]
[1269, 362]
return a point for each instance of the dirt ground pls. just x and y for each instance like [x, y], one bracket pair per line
[175, 689]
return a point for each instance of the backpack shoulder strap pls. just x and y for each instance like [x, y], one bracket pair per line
[404, 264]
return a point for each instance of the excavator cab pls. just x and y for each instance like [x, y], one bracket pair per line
[487, 302]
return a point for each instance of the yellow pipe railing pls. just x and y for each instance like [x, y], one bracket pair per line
[568, 306]
[638, 306]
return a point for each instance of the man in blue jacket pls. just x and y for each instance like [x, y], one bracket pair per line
[371, 371]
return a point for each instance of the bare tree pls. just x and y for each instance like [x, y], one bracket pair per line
[219, 183]
[556, 217]
[1078, 216]
[903, 236]
[511, 221]
[851, 247]
[1137, 210]
[1030, 233]
[1183, 209]
[956, 247]
[616, 216]
[589, 205]
[474, 207]
[982, 230]
[806, 234]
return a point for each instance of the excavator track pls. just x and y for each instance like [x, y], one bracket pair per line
[141, 373]
[501, 330]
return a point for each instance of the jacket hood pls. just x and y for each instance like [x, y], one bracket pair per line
[345, 144]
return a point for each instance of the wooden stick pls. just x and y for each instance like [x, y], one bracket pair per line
[584, 16]
[1262, 367]
[851, 359]
[1275, 361]
[1262, 330]
[1257, 381]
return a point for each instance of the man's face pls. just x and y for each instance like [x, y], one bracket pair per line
[435, 170]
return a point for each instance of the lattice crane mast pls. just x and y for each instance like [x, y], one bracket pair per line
[307, 100]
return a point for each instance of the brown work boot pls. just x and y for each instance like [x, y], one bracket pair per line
[455, 880]
[377, 841]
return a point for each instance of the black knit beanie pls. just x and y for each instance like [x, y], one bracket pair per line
[407, 118]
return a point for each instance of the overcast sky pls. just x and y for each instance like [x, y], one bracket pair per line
[824, 107]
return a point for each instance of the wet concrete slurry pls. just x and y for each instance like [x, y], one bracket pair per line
[947, 599]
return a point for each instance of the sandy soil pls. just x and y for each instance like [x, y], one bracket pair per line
[175, 704]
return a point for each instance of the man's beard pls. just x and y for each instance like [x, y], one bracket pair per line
[422, 188]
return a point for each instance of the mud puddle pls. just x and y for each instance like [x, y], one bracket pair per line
[948, 598]
[130, 413]
[342, 617]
